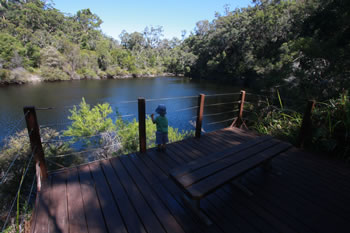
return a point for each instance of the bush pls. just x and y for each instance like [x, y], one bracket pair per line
[279, 123]
[331, 126]
[87, 73]
[4, 74]
[53, 74]
[128, 133]
[18, 144]
[93, 127]
[89, 121]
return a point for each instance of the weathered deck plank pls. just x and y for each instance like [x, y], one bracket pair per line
[92, 208]
[58, 221]
[76, 214]
[135, 194]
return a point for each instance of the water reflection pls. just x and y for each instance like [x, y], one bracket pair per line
[63, 94]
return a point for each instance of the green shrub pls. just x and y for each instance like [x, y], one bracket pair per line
[128, 133]
[18, 144]
[279, 123]
[4, 74]
[331, 126]
[89, 121]
[53, 74]
[87, 73]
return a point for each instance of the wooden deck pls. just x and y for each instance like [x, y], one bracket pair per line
[304, 193]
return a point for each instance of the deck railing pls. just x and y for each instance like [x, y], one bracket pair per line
[236, 120]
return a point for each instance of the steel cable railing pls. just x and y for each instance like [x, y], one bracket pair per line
[90, 150]
[3, 179]
[224, 94]
[217, 114]
[217, 122]
[225, 103]
[72, 137]
[171, 98]
[17, 124]
[19, 189]
[51, 159]
[28, 200]
[81, 136]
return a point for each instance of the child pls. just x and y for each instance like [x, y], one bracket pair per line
[162, 127]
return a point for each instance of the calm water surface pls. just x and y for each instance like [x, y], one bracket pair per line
[62, 95]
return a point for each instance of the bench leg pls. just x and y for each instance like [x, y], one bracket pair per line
[194, 205]
[267, 167]
[242, 188]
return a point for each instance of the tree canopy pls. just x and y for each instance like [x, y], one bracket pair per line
[293, 43]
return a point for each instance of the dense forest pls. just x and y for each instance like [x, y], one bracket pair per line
[301, 44]
[38, 42]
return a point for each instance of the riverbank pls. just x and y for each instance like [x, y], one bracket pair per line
[20, 76]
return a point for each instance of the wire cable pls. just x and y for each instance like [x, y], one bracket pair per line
[171, 98]
[78, 136]
[11, 131]
[264, 96]
[19, 188]
[53, 162]
[129, 115]
[43, 109]
[215, 114]
[95, 149]
[31, 189]
[217, 122]
[127, 102]
[217, 104]
[213, 95]
[13, 162]
[184, 109]
[56, 124]
[29, 197]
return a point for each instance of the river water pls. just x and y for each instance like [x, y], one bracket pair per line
[62, 95]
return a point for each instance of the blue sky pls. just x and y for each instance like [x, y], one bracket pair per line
[135, 15]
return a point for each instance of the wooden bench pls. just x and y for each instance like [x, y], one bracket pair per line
[205, 175]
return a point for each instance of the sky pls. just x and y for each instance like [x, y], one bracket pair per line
[134, 15]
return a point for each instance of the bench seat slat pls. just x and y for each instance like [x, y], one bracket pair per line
[204, 161]
[204, 187]
[213, 168]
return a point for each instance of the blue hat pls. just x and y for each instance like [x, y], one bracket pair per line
[161, 109]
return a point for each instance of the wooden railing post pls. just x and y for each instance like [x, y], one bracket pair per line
[305, 129]
[35, 143]
[142, 124]
[199, 115]
[239, 120]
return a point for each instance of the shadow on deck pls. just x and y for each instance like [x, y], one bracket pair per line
[304, 193]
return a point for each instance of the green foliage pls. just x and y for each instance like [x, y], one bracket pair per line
[330, 123]
[4, 74]
[279, 123]
[300, 44]
[53, 74]
[331, 126]
[36, 36]
[18, 144]
[11, 51]
[89, 121]
[275, 119]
